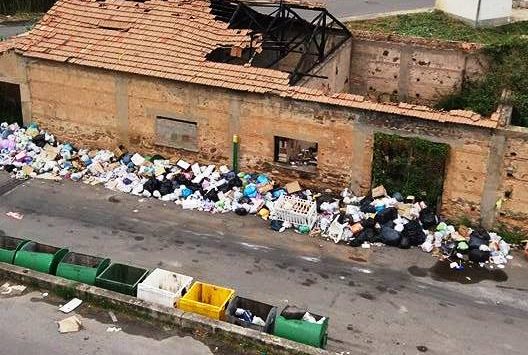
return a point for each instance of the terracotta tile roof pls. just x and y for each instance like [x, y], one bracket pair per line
[7, 44]
[170, 39]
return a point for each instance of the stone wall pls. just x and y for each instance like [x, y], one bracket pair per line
[386, 67]
[102, 109]
[513, 188]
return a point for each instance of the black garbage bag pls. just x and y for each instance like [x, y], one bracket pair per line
[322, 199]
[386, 215]
[365, 206]
[293, 312]
[482, 233]
[39, 140]
[276, 225]
[475, 241]
[244, 199]
[180, 179]
[389, 224]
[212, 195]
[413, 230]
[234, 182]
[390, 237]
[343, 218]
[365, 235]
[428, 218]
[152, 185]
[9, 167]
[405, 243]
[241, 211]
[368, 223]
[166, 187]
[478, 256]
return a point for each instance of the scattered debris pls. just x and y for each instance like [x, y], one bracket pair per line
[359, 221]
[44, 294]
[12, 290]
[69, 325]
[71, 305]
[113, 329]
[15, 215]
[112, 316]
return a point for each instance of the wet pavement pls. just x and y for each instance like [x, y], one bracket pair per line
[380, 300]
[28, 326]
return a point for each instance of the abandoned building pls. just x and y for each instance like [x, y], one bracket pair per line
[306, 97]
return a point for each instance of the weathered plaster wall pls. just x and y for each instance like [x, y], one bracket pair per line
[513, 188]
[335, 72]
[102, 109]
[423, 72]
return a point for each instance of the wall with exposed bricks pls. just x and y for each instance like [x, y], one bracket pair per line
[102, 109]
[388, 68]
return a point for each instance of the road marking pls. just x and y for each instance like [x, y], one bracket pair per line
[255, 246]
[311, 259]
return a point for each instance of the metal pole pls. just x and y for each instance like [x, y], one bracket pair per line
[478, 14]
[235, 152]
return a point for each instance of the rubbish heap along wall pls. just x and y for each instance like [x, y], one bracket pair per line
[100, 108]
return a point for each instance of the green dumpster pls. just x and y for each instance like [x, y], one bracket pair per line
[302, 331]
[81, 267]
[9, 246]
[39, 257]
[121, 278]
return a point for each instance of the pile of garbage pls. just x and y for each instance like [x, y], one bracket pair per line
[356, 220]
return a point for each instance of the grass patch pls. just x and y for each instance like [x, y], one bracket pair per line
[506, 46]
[438, 25]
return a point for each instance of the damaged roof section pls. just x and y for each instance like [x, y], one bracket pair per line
[168, 39]
[223, 43]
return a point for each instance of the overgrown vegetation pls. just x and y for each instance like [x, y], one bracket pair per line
[411, 166]
[10, 7]
[506, 46]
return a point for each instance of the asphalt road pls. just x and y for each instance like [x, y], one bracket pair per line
[29, 328]
[347, 8]
[380, 301]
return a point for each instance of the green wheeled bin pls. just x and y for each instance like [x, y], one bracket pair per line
[81, 267]
[121, 278]
[301, 331]
[9, 246]
[39, 257]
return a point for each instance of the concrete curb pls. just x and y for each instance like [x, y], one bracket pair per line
[385, 14]
[249, 338]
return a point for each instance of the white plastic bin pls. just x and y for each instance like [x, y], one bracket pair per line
[164, 287]
[295, 210]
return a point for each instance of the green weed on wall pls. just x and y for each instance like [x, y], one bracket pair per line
[9, 7]
[411, 166]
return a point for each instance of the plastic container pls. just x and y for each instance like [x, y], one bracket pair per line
[121, 278]
[295, 210]
[208, 300]
[302, 331]
[265, 311]
[164, 287]
[9, 246]
[81, 267]
[39, 257]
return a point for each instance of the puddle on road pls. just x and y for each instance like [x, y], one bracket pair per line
[471, 274]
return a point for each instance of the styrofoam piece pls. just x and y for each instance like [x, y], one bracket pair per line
[295, 210]
[164, 287]
[183, 164]
[70, 306]
[137, 159]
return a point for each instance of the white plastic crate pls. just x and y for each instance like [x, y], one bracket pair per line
[295, 210]
[164, 287]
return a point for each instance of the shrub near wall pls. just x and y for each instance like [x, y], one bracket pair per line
[13, 6]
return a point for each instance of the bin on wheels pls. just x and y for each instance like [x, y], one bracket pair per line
[9, 246]
[265, 311]
[81, 267]
[121, 278]
[302, 331]
[206, 299]
[39, 257]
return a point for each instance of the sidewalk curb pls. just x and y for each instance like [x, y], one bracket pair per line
[385, 14]
[186, 321]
